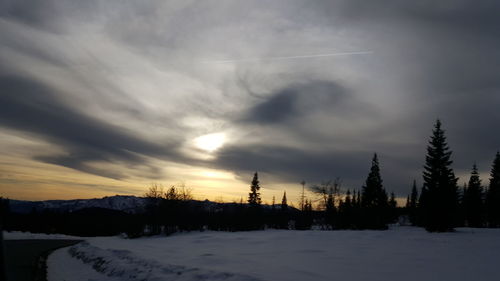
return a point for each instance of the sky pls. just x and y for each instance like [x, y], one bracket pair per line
[108, 97]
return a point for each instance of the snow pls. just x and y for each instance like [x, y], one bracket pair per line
[15, 235]
[129, 204]
[62, 267]
[401, 252]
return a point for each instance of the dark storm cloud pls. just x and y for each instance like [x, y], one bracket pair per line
[38, 13]
[293, 165]
[29, 106]
[46, 15]
[317, 158]
[297, 100]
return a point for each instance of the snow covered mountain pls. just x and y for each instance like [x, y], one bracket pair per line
[125, 203]
[129, 204]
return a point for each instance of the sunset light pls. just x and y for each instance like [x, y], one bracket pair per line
[210, 142]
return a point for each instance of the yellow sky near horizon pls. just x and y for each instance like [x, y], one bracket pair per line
[35, 181]
[27, 179]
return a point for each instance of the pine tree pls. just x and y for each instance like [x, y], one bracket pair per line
[373, 191]
[393, 208]
[374, 198]
[330, 203]
[392, 201]
[358, 199]
[284, 204]
[348, 201]
[354, 202]
[254, 195]
[440, 201]
[473, 200]
[308, 206]
[493, 195]
[412, 208]
[330, 210]
[414, 195]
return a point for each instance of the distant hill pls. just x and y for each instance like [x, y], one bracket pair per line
[123, 203]
[128, 204]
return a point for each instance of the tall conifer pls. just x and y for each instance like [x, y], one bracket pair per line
[473, 200]
[412, 206]
[439, 199]
[374, 199]
[254, 195]
[493, 195]
[284, 204]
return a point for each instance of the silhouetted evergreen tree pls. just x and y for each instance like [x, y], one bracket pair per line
[346, 207]
[493, 195]
[254, 195]
[473, 200]
[439, 199]
[330, 211]
[283, 216]
[304, 220]
[412, 206]
[374, 199]
[354, 202]
[393, 208]
[254, 218]
[284, 203]
[461, 205]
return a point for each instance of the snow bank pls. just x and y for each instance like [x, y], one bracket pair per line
[125, 266]
[61, 266]
[400, 253]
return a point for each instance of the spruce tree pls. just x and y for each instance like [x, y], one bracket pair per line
[412, 208]
[493, 195]
[358, 199]
[254, 196]
[473, 200]
[414, 195]
[348, 200]
[353, 198]
[373, 191]
[283, 215]
[393, 208]
[374, 199]
[284, 204]
[439, 198]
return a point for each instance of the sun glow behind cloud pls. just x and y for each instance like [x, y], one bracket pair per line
[210, 142]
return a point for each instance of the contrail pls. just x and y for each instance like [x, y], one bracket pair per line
[290, 57]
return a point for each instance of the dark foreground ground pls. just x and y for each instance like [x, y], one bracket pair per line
[25, 259]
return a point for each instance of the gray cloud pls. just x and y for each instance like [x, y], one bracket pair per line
[297, 100]
[32, 107]
[130, 76]
[293, 165]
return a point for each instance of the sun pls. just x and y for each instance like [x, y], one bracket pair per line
[210, 142]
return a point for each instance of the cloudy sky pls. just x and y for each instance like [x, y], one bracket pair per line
[106, 97]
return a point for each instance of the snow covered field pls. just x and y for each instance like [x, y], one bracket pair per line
[402, 253]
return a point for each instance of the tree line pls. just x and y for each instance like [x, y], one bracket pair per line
[439, 205]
